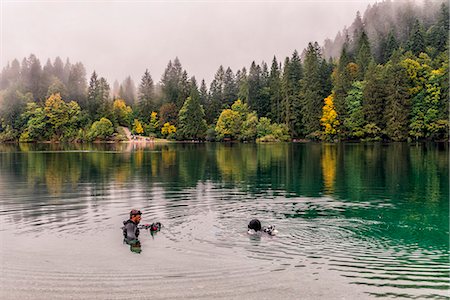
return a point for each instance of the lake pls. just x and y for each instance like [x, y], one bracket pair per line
[355, 221]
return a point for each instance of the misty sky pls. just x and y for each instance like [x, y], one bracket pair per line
[121, 38]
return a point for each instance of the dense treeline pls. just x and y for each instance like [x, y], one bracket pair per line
[389, 84]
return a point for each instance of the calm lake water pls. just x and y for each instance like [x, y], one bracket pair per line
[355, 221]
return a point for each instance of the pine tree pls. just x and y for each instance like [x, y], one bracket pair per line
[216, 96]
[204, 96]
[191, 119]
[76, 86]
[128, 92]
[146, 98]
[275, 91]
[342, 81]
[230, 92]
[242, 84]
[398, 102]
[363, 55]
[254, 86]
[292, 73]
[417, 39]
[374, 95]
[58, 68]
[264, 92]
[310, 86]
[390, 47]
[173, 83]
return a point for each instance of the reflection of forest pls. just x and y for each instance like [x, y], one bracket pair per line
[352, 172]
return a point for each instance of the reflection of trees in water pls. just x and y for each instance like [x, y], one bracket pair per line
[414, 178]
[236, 162]
[329, 154]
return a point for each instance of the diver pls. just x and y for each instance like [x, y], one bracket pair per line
[131, 230]
[254, 227]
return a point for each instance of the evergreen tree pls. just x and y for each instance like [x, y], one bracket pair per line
[417, 39]
[275, 91]
[105, 105]
[146, 98]
[374, 95]
[174, 84]
[230, 92]
[242, 84]
[264, 92]
[33, 78]
[93, 104]
[204, 96]
[355, 122]
[363, 55]
[292, 73]
[191, 119]
[342, 81]
[66, 71]
[128, 92]
[76, 86]
[58, 68]
[390, 47]
[254, 86]
[398, 102]
[184, 88]
[216, 96]
[310, 86]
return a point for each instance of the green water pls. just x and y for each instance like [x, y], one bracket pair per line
[355, 221]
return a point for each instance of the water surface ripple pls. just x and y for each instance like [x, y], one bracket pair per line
[354, 222]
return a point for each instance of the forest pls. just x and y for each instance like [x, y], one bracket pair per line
[385, 78]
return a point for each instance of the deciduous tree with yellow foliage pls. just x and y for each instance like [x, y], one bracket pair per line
[329, 118]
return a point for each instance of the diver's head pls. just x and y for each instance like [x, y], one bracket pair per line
[135, 216]
[254, 224]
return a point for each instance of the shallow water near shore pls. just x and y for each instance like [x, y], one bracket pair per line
[355, 221]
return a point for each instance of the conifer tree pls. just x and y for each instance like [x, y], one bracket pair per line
[191, 119]
[128, 92]
[230, 91]
[275, 91]
[146, 99]
[398, 102]
[76, 86]
[204, 96]
[310, 86]
[292, 73]
[374, 95]
[417, 39]
[363, 55]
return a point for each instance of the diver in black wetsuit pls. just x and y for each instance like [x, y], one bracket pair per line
[131, 231]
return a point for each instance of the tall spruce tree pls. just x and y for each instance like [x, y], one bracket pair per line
[216, 96]
[264, 92]
[230, 91]
[203, 95]
[275, 91]
[92, 96]
[292, 74]
[128, 92]
[398, 102]
[242, 84]
[310, 86]
[191, 118]
[416, 41]
[254, 86]
[374, 96]
[342, 81]
[146, 97]
[363, 55]
[77, 85]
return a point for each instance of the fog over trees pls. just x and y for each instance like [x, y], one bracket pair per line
[385, 77]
